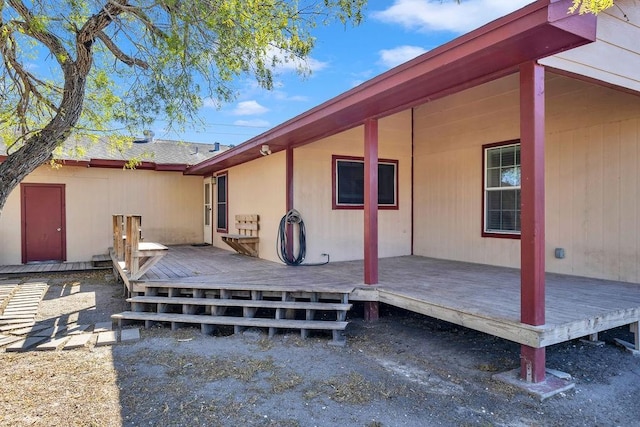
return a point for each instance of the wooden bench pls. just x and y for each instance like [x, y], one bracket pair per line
[246, 242]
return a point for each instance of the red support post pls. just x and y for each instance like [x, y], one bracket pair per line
[532, 240]
[371, 212]
[289, 198]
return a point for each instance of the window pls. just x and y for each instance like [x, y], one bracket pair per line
[348, 183]
[502, 190]
[221, 203]
[207, 204]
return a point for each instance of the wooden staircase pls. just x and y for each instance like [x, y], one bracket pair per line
[102, 261]
[241, 306]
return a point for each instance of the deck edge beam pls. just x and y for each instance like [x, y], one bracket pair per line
[512, 331]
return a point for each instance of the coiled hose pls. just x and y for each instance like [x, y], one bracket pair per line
[291, 219]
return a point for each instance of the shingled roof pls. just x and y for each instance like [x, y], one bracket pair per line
[154, 153]
[159, 151]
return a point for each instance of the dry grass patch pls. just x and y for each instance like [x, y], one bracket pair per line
[200, 368]
[353, 389]
[175, 391]
[181, 335]
[43, 388]
[281, 382]
[265, 344]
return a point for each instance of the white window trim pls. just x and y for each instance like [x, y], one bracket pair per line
[486, 232]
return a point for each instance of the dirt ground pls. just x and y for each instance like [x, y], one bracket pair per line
[405, 370]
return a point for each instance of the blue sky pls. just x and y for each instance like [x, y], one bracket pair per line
[392, 33]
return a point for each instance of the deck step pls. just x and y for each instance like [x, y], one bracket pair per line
[317, 288]
[230, 321]
[301, 305]
[101, 261]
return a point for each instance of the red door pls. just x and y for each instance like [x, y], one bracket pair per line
[43, 222]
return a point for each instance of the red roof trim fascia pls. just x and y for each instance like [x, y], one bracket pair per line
[118, 164]
[540, 29]
[169, 167]
[65, 162]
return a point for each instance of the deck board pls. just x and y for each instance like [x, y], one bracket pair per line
[47, 267]
[481, 297]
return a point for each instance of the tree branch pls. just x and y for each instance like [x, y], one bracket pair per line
[29, 81]
[119, 54]
[48, 39]
[142, 17]
[30, 102]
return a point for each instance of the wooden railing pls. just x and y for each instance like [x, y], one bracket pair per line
[134, 256]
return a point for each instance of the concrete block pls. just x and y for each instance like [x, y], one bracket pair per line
[543, 390]
[102, 326]
[130, 335]
[107, 338]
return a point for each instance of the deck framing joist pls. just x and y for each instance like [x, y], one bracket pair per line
[512, 330]
[480, 297]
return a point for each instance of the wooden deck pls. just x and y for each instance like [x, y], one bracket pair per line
[479, 297]
[47, 267]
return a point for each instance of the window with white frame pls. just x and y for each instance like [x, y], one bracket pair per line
[207, 204]
[348, 183]
[502, 189]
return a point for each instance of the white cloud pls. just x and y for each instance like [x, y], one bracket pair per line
[398, 55]
[257, 123]
[297, 98]
[439, 15]
[356, 79]
[286, 64]
[211, 103]
[249, 108]
[309, 63]
[281, 95]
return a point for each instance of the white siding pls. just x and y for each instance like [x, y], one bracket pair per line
[592, 179]
[257, 187]
[615, 55]
[340, 233]
[169, 202]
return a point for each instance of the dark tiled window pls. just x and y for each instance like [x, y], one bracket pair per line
[348, 179]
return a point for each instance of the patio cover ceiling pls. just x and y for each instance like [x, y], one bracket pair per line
[540, 29]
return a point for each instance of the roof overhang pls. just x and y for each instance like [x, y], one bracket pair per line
[122, 164]
[495, 50]
[118, 164]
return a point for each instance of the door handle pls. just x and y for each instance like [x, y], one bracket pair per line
[59, 229]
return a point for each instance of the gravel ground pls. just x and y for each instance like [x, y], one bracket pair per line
[405, 370]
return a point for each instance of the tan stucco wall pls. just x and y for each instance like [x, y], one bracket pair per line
[592, 179]
[257, 187]
[170, 205]
[615, 55]
[340, 233]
